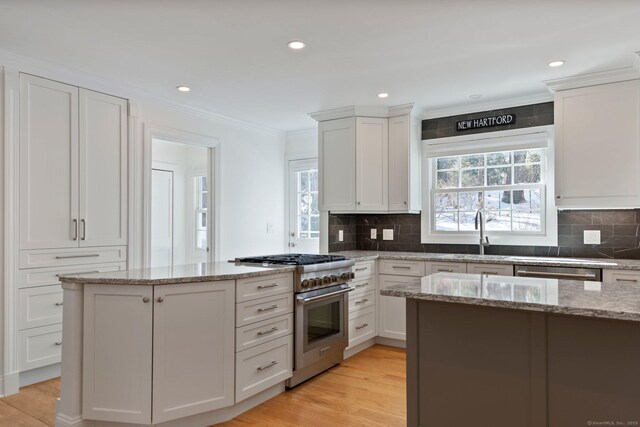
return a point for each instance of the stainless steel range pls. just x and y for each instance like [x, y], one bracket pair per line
[321, 286]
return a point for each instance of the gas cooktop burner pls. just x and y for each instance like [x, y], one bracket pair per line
[292, 259]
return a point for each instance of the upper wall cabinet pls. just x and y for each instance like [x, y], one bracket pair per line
[368, 164]
[73, 166]
[404, 164]
[598, 146]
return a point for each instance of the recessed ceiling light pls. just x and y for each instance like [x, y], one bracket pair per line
[383, 95]
[558, 63]
[183, 88]
[296, 45]
[475, 96]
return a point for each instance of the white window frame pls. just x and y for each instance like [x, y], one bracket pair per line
[508, 140]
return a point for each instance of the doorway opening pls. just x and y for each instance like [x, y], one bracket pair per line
[181, 204]
[304, 216]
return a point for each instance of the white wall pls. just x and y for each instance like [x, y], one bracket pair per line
[303, 143]
[251, 184]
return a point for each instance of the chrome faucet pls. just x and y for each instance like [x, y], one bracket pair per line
[484, 240]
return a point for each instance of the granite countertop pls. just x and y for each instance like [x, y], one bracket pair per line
[619, 301]
[618, 264]
[190, 273]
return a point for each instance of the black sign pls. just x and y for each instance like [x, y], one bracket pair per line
[486, 122]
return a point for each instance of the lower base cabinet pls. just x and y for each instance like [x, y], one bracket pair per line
[391, 310]
[157, 353]
[263, 366]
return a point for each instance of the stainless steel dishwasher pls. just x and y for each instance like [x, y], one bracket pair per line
[569, 273]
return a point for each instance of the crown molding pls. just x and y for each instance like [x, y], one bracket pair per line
[134, 95]
[596, 78]
[362, 111]
[477, 107]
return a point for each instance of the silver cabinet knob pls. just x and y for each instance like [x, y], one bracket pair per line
[160, 299]
[145, 300]
[58, 343]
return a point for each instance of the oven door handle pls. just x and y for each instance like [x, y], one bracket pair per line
[323, 297]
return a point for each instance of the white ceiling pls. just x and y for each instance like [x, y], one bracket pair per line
[233, 52]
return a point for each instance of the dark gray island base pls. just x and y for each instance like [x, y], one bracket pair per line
[503, 351]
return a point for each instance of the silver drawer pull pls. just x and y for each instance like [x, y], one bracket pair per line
[448, 270]
[273, 307]
[77, 272]
[77, 256]
[273, 285]
[361, 269]
[262, 368]
[364, 325]
[75, 229]
[401, 267]
[58, 343]
[270, 331]
[362, 285]
[525, 273]
[362, 301]
[59, 304]
[627, 280]
[489, 272]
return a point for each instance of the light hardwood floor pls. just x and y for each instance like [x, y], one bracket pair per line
[367, 389]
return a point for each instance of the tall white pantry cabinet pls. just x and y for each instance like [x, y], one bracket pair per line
[72, 214]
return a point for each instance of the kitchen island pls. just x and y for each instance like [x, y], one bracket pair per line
[509, 351]
[191, 345]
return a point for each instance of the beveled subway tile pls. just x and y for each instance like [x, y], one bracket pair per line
[626, 230]
[613, 217]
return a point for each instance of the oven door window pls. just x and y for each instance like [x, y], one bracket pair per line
[322, 321]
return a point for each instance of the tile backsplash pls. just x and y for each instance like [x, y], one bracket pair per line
[619, 231]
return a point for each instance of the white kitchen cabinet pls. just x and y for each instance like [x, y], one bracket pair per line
[73, 166]
[404, 164]
[620, 276]
[117, 362]
[392, 322]
[170, 348]
[433, 267]
[48, 183]
[372, 164]
[490, 269]
[193, 349]
[336, 162]
[103, 170]
[597, 146]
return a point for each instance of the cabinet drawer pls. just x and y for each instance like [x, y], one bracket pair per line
[490, 269]
[39, 347]
[258, 287]
[620, 276]
[264, 308]
[362, 300]
[445, 267]
[49, 276]
[54, 257]
[39, 306]
[364, 285]
[362, 326]
[262, 332]
[402, 268]
[364, 269]
[263, 366]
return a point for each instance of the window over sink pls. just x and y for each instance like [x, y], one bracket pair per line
[506, 174]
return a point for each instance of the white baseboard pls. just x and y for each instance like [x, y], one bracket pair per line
[391, 342]
[38, 375]
[350, 351]
[199, 420]
[64, 421]
[11, 383]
